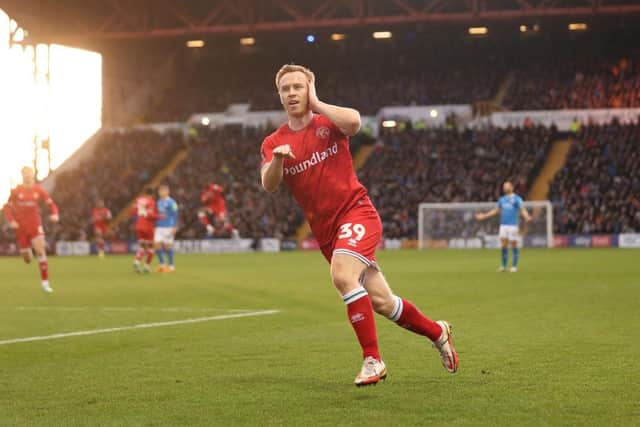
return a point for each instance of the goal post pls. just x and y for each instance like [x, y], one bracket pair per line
[453, 225]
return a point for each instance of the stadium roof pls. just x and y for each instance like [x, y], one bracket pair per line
[92, 20]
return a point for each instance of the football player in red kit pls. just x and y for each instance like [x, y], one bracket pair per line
[213, 204]
[145, 214]
[23, 213]
[310, 154]
[100, 216]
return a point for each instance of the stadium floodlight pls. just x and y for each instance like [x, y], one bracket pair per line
[478, 31]
[310, 38]
[195, 43]
[453, 225]
[433, 113]
[205, 121]
[523, 28]
[247, 41]
[336, 37]
[382, 35]
[577, 26]
[389, 124]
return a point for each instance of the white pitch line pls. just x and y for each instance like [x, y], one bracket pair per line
[139, 326]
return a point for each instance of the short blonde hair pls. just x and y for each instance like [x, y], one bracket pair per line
[291, 68]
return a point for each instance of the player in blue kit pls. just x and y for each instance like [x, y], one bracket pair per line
[510, 208]
[166, 227]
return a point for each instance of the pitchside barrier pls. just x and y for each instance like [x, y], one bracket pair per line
[65, 248]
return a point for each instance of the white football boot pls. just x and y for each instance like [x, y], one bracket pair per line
[501, 269]
[444, 345]
[372, 371]
[46, 287]
[513, 269]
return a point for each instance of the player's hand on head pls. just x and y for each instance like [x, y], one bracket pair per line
[14, 225]
[283, 151]
[54, 218]
[313, 95]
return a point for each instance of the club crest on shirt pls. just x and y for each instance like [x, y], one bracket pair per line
[322, 132]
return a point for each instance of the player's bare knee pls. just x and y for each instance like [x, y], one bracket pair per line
[381, 304]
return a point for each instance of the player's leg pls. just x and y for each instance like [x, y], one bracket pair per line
[404, 313]
[148, 246]
[157, 242]
[503, 234]
[203, 217]
[139, 252]
[168, 246]
[515, 253]
[27, 255]
[346, 271]
[223, 217]
[39, 247]
[99, 242]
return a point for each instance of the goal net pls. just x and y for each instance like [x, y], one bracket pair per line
[453, 225]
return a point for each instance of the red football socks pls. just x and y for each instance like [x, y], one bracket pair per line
[44, 268]
[149, 255]
[408, 316]
[139, 254]
[360, 314]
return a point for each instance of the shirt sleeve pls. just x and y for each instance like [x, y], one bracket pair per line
[334, 128]
[266, 151]
[498, 204]
[53, 208]
[8, 208]
[520, 202]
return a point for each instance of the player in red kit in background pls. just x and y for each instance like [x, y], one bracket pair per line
[100, 216]
[145, 214]
[310, 154]
[213, 204]
[23, 213]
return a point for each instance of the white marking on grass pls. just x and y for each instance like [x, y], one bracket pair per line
[132, 309]
[139, 326]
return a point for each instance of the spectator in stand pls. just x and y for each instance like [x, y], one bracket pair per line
[123, 162]
[598, 190]
[447, 165]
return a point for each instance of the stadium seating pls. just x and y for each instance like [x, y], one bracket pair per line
[580, 83]
[231, 157]
[447, 165]
[598, 191]
[122, 164]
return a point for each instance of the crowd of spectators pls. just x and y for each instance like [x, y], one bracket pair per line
[598, 190]
[122, 163]
[579, 83]
[231, 157]
[448, 165]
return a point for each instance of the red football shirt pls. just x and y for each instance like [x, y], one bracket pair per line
[101, 217]
[24, 205]
[213, 198]
[321, 177]
[144, 209]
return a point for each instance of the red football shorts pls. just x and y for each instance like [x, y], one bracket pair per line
[358, 235]
[219, 212]
[100, 230]
[26, 233]
[144, 234]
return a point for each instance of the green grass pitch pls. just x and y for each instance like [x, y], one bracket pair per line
[555, 344]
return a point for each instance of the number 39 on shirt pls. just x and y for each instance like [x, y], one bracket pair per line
[348, 230]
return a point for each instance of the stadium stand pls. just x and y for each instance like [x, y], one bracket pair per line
[412, 167]
[230, 157]
[598, 190]
[123, 162]
[580, 83]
